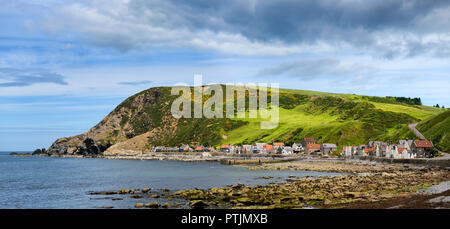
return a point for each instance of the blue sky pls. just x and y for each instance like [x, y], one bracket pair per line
[64, 65]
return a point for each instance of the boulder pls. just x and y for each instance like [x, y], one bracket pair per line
[152, 205]
[197, 204]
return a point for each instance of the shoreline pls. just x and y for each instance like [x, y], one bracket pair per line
[364, 183]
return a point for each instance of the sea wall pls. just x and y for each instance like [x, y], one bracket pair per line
[441, 163]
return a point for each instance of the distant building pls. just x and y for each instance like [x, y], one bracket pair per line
[312, 148]
[422, 148]
[287, 150]
[247, 149]
[185, 148]
[225, 148]
[327, 148]
[268, 148]
[297, 147]
[306, 141]
[277, 145]
[200, 149]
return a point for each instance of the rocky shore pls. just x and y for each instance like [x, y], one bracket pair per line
[363, 185]
[320, 192]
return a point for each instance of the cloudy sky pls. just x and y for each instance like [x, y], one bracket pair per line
[64, 65]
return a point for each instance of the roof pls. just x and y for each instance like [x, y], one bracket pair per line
[329, 145]
[268, 147]
[225, 146]
[199, 148]
[313, 146]
[310, 139]
[278, 144]
[423, 143]
[400, 149]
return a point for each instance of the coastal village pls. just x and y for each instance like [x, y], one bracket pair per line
[404, 149]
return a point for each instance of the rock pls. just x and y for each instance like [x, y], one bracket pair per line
[145, 190]
[108, 207]
[245, 201]
[152, 205]
[39, 151]
[154, 196]
[237, 186]
[137, 196]
[166, 205]
[139, 205]
[103, 193]
[205, 154]
[116, 199]
[352, 194]
[197, 204]
[126, 191]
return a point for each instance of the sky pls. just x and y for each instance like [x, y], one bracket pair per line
[64, 65]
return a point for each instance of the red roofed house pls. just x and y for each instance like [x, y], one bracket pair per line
[306, 141]
[278, 147]
[268, 148]
[422, 148]
[312, 148]
[225, 148]
[199, 149]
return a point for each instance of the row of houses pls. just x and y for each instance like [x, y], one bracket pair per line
[307, 146]
[405, 149]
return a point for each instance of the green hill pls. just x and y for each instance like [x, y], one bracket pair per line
[437, 129]
[144, 120]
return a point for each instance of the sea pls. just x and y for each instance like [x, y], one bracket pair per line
[66, 183]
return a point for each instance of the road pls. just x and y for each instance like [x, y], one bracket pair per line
[412, 127]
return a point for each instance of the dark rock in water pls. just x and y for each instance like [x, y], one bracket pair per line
[145, 190]
[152, 205]
[126, 191]
[197, 204]
[137, 196]
[42, 151]
[103, 193]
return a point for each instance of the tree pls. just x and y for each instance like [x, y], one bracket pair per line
[437, 105]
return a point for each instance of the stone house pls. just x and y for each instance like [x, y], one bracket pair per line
[312, 148]
[327, 148]
[422, 148]
[306, 141]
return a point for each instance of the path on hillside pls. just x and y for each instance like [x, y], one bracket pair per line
[412, 127]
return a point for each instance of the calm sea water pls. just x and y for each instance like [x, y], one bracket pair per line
[44, 182]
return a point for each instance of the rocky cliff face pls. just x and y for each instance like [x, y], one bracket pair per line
[139, 114]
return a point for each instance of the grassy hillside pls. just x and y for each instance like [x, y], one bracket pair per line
[342, 119]
[144, 120]
[437, 129]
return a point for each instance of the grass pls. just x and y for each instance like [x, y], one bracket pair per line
[419, 112]
[437, 129]
[345, 119]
